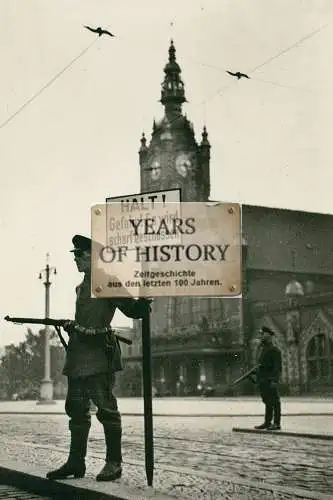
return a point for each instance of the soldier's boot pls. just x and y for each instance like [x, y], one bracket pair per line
[112, 469]
[276, 426]
[268, 418]
[75, 465]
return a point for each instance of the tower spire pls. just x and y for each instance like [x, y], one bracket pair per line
[205, 141]
[143, 151]
[173, 93]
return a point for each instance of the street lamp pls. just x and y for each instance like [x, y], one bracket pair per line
[46, 389]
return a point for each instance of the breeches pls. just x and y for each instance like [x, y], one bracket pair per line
[98, 389]
[270, 395]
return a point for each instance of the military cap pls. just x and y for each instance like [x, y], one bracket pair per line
[265, 329]
[81, 243]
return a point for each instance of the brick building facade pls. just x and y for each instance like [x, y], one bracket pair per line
[288, 276]
[287, 270]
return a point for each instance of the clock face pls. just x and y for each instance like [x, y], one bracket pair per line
[155, 170]
[183, 164]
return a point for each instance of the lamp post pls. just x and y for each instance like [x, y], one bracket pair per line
[46, 389]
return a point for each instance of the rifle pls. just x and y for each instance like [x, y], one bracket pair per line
[57, 323]
[246, 375]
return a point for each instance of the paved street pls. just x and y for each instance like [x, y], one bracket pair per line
[204, 446]
[190, 406]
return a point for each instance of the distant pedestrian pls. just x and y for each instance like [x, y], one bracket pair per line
[267, 377]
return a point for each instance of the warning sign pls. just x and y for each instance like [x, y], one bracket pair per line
[193, 250]
[129, 219]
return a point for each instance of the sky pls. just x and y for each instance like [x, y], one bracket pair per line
[77, 142]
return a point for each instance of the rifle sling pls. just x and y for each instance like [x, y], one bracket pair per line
[62, 340]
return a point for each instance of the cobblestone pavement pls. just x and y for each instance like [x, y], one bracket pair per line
[11, 493]
[205, 445]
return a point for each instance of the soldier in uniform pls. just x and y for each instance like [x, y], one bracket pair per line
[93, 357]
[267, 378]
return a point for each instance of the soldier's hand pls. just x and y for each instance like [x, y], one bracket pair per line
[68, 326]
[144, 306]
[273, 384]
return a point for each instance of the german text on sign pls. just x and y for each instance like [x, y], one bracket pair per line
[194, 250]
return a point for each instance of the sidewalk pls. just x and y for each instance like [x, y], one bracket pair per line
[33, 479]
[311, 429]
[232, 407]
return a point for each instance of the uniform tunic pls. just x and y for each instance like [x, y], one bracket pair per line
[87, 354]
[270, 364]
[268, 376]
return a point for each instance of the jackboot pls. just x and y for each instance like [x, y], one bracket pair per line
[277, 417]
[112, 469]
[75, 465]
[277, 413]
[268, 417]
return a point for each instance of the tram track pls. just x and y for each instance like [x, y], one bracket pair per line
[224, 445]
[200, 449]
[9, 492]
[286, 468]
[165, 452]
[202, 452]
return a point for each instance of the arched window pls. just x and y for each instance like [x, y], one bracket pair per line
[320, 358]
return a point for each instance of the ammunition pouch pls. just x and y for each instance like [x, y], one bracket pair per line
[113, 351]
[110, 340]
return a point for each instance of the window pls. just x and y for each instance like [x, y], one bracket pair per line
[181, 311]
[161, 314]
[320, 358]
[212, 308]
[197, 307]
[216, 309]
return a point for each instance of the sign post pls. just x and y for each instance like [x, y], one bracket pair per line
[152, 245]
[143, 203]
[147, 398]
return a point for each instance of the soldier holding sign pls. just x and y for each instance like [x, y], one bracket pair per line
[93, 358]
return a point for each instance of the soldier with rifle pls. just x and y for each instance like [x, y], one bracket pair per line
[92, 358]
[266, 374]
[267, 377]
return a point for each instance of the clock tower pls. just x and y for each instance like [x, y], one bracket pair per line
[173, 158]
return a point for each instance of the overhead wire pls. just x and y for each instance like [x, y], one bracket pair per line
[292, 87]
[48, 84]
[204, 102]
[222, 89]
[284, 51]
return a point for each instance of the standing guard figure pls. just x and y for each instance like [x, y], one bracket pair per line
[93, 357]
[267, 378]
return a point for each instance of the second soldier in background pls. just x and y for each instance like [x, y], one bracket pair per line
[267, 377]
